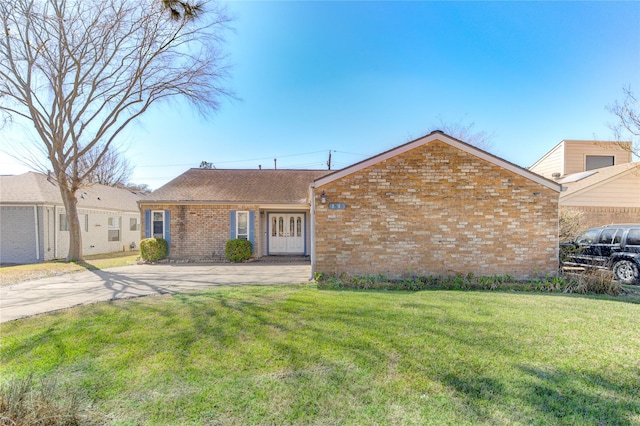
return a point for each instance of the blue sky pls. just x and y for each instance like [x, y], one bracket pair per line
[359, 78]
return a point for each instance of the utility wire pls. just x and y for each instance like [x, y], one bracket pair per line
[239, 161]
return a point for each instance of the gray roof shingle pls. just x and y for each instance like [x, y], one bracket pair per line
[35, 188]
[238, 186]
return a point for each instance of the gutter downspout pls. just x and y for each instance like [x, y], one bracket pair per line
[35, 219]
[313, 230]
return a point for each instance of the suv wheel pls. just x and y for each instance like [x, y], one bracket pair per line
[626, 272]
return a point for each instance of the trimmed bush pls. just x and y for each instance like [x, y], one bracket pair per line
[238, 250]
[153, 249]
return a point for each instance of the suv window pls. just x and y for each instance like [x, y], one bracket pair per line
[610, 236]
[588, 237]
[633, 237]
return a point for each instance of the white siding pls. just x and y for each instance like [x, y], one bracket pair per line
[95, 240]
[551, 163]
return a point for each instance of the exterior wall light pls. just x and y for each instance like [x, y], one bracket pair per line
[323, 198]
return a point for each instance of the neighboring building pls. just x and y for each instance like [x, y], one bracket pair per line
[576, 156]
[33, 221]
[432, 206]
[598, 179]
[200, 210]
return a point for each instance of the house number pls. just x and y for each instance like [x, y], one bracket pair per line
[337, 206]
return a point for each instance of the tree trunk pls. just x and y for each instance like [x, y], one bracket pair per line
[75, 232]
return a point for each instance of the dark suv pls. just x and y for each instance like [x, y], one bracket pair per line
[614, 247]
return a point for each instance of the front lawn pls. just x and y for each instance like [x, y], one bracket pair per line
[298, 355]
[16, 273]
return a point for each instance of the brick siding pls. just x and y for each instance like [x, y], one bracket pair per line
[437, 210]
[200, 232]
[593, 217]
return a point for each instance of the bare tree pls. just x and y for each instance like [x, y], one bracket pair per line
[627, 113]
[113, 169]
[179, 9]
[80, 71]
[466, 133]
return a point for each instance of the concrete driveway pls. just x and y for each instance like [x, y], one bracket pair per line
[50, 294]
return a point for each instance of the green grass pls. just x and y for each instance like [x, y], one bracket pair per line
[297, 355]
[17, 273]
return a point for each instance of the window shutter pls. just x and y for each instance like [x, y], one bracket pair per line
[167, 227]
[252, 219]
[147, 223]
[232, 221]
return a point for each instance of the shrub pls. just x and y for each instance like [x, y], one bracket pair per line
[238, 250]
[22, 403]
[153, 249]
[570, 224]
[595, 283]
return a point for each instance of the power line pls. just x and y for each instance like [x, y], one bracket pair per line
[352, 153]
[239, 161]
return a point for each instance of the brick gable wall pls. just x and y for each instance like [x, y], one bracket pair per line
[437, 210]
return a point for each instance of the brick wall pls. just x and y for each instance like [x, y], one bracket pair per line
[437, 210]
[200, 232]
[593, 217]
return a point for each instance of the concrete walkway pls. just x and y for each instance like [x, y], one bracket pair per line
[50, 294]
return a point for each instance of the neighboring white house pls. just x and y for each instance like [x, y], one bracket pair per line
[33, 221]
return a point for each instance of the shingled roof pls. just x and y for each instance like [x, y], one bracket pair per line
[34, 188]
[238, 186]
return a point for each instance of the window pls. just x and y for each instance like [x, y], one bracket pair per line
[610, 236]
[242, 225]
[64, 222]
[114, 229]
[83, 218]
[598, 161]
[588, 237]
[133, 224]
[157, 224]
[633, 237]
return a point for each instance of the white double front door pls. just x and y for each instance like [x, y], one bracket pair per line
[286, 233]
